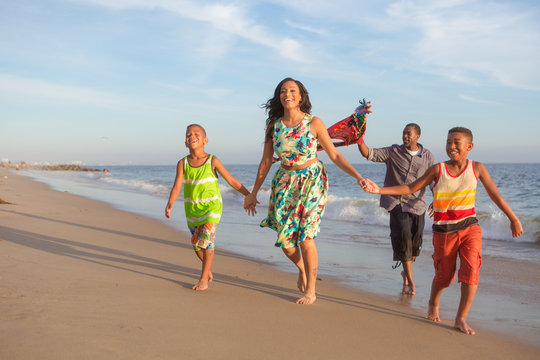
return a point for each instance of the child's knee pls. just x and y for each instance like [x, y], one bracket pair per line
[470, 257]
[444, 272]
[469, 272]
[443, 281]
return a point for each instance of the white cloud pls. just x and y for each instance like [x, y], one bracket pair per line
[230, 18]
[344, 11]
[469, 41]
[212, 93]
[28, 89]
[464, 39]
[374, 51]
[475, 100]
[307, 28]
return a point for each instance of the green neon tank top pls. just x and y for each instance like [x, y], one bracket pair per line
[202, 199]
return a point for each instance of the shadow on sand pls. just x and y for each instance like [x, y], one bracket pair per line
[128, 261]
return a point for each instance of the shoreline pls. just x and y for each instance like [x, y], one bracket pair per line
[502, 304]
[81, 277]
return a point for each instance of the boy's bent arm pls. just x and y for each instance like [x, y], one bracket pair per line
[496, 197]
[231, 180]
[175, 191]
[429, 176]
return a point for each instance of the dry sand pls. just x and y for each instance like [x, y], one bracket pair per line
[81, 280]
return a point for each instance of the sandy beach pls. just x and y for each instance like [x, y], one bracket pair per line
[82, 280]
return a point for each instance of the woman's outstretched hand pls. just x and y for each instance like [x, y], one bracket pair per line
[250, 201]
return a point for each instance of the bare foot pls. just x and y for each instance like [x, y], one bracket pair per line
[201, 285]
[409, 290]
[405, 283]
[210, 277]
[433, 312]
[462, 326]
[301, 281]
[307, 300]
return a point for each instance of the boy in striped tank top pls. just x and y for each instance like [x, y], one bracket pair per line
[202, 198]
[455, 226]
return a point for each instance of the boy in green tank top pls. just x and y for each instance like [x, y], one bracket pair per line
[202, 198]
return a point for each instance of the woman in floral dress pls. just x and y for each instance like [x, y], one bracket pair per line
[300, 186]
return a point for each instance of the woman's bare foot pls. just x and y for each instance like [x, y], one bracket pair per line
[302, 281]
[433, 312]
[210, 277]
[307, 299]
[462, 326]
[201, 285]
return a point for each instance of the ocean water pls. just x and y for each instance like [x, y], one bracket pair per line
[354, 245]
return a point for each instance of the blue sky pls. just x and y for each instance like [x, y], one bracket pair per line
[116, 82]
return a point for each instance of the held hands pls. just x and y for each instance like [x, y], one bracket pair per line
[250, 201]
[367, 185]
[370, 187]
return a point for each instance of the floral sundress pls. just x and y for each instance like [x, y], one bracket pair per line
[298, 197]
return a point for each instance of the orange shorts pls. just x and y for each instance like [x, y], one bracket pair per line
[467, 243]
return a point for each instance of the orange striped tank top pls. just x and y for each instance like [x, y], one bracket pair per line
[453, 199]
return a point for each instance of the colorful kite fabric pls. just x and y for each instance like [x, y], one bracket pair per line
[352, 129]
